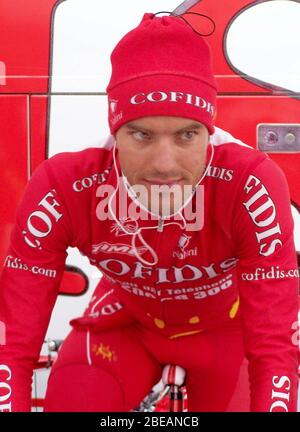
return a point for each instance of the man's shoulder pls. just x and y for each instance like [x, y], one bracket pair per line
[80, 171]
[88, 163]
[81, 161]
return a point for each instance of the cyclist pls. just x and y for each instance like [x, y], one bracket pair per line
[193, 234]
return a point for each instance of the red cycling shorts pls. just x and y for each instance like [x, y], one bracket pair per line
[113, 370]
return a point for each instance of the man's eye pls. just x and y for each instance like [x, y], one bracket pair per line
[189, 135]
[139, 135]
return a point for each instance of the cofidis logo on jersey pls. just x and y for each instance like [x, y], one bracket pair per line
[263, 214]
[40, 222]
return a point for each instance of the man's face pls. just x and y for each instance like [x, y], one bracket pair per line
[163, 151]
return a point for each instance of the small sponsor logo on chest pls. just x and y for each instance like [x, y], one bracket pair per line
[182, 252]
[120, 248]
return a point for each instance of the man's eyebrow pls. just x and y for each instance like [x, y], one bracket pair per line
[133, 126]
[191, 126]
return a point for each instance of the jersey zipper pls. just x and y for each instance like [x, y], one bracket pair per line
[160, 225]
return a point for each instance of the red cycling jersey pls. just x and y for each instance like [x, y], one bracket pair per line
[241, 260]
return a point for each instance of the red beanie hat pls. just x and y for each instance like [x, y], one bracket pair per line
[162, 67]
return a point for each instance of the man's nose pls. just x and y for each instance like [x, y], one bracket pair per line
[164, 155]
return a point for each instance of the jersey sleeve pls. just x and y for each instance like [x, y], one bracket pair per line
[268, 280]
[29, 283]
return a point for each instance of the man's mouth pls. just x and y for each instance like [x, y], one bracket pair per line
[166, 182]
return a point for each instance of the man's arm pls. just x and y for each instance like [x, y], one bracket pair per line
[29, 284]
[269, 287]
